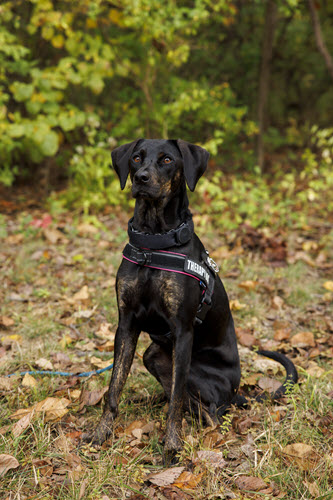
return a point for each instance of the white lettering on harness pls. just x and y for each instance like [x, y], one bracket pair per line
[193, 266]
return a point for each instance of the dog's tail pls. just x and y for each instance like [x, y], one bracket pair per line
[291, 374]
[290, 380]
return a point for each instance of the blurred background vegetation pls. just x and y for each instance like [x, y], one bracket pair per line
[250, 80]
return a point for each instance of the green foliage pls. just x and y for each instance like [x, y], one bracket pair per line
[79, 78]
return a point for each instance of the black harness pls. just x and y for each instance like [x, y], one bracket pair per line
[149, 250]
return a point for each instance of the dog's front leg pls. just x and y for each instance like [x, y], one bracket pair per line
[125, 344]
[181, 361]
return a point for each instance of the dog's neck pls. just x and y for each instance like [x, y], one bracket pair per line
[159, 216]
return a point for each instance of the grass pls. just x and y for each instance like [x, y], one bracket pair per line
[40, 281]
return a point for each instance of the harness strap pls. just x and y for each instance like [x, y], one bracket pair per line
[204, 272]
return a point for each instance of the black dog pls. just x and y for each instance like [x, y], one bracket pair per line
[167, 286]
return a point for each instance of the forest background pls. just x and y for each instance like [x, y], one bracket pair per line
[251, 81]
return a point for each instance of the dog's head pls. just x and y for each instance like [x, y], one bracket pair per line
[157, 167]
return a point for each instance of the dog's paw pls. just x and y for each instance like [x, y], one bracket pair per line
[101, 433]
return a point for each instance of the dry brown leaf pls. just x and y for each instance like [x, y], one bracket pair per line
[6, 321]
[89, 346]
[7, 462]
[6, 383]
[281, 334]
[277, 302]
[246, 339]
[84, 313]
[166, 477]
[313, 488]
[250, 483]
[99, 363]
[53, 235]
[82, 294]
[299, 450]
[248, 285]
[235, 305]
[91, 398]
[188, 480]
[303, 339]
[104, 332]
[314, 370]
[85, 228]
[108, 346]
[269, 384]
[52, 408]
[137, 424]
[44, 364]
[29, 381]
[214, 458]
[22, 424]
[264, 364]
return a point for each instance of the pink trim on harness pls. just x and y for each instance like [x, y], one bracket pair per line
[166, 251]
[163, 269]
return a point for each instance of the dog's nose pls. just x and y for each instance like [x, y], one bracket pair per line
[142, 176]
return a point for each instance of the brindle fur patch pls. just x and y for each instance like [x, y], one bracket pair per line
[125, 289]
[170, 293]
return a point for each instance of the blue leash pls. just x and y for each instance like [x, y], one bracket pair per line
[63, 374]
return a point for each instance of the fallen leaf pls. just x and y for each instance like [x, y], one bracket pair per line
[245, 338]
[248, 285]
[52, 235]
[99, 363]
[7, 462]
[269, 384]
[104, 332]
[51, 408]
[11, 339]
[7, 383]
[299, 450]
[328, 285]
[235, 305]
[166, 477]
[29, 381]
[91, 398]
[281, 334]
[214, 458]
[314, 370]
[137, 424]
[85, 313]
[108, 346]
[250, 483]
[85, 228]
[277, 302]
[303, 339]
[263, 365]
[82, 294]
[44, 364]
[188, 480]
[6, 321]
[313, 488]
[66, 340]
[22, 424]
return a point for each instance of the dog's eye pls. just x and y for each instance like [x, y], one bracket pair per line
[167, 160]
[137, 159]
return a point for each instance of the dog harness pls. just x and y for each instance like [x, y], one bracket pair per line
[204, 271]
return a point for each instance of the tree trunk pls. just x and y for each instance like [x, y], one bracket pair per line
[264, 78]
[319, 38]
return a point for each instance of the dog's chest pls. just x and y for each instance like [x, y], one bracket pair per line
[149, 290]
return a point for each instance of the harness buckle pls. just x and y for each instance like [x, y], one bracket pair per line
[141, 257]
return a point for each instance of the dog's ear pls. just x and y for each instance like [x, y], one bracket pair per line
[120, 160]
[195, 162]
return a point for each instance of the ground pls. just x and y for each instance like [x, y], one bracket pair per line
[58, 312]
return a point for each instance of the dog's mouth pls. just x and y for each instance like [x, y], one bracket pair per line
[145, 192]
